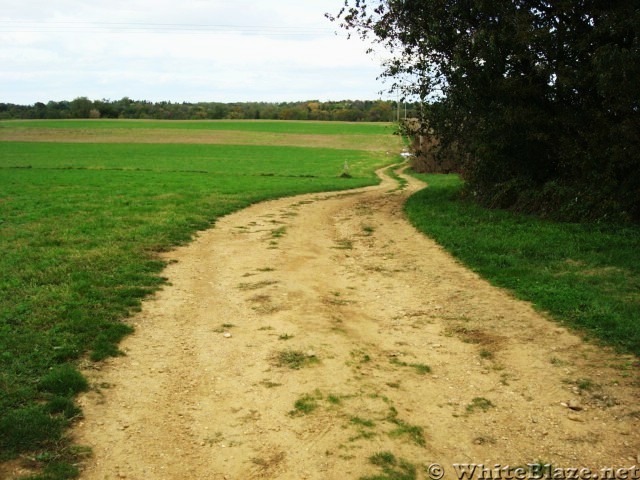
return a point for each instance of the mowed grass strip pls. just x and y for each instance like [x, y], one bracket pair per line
[81, 226]
[585, 275]
[272, 126]
[233, 160]
[332, 135]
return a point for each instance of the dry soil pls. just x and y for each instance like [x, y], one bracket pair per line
[394, 346]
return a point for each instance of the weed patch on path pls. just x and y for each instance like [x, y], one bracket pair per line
[382, 418]
[295, 359]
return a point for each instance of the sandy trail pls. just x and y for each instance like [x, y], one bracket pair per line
[366, 303]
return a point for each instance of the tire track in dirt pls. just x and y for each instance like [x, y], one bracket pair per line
[341, 283]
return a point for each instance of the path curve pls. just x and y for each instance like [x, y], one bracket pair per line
[343, 284]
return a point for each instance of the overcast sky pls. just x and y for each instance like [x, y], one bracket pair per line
[180, 50]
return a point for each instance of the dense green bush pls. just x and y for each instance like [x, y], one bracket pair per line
[542, 99]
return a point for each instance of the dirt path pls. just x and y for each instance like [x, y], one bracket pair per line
[342, 287]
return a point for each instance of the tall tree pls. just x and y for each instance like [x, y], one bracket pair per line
[539, 97]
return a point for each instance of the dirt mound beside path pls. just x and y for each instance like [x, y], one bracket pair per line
[300, 337]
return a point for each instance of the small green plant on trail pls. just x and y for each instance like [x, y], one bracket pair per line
[295, 359]
[364, 428]
[270, 384]
[223, 328]
[479, 403]
[256, 285]
[486, 354]
[383, 418]
[392, 468]
[343, 244]
[278, 232]
[420, 368]
[362, 422]
[414, 432]
[585, 384]
[359, 358]
[368, 230]
[306, 404]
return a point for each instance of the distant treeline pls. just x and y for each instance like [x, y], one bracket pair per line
[82, 107]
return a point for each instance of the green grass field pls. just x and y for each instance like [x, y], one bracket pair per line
[82, 222]
[81, 227]
[370, 137]
[585, 275]
[220, 160]
[294, 127]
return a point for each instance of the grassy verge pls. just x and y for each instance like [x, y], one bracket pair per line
[585, 275]
[81, 227]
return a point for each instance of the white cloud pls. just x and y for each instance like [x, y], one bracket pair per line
[195, 50]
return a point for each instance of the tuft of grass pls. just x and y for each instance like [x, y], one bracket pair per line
[585, 384]
[585, 275]
[479, 403]
[270, 384]
[420, 368]
[392, 468]
[306, 404]
[295, 359]
[557, 362]
[486, 354]
[414, 432]
[223, 328]
[343, 244]
[362, 422]
[64, 380]
[28, 429]
[363, 435]
[256, 285]
[64, 406]
[358, 358]
[278, 232]
[285, 336]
